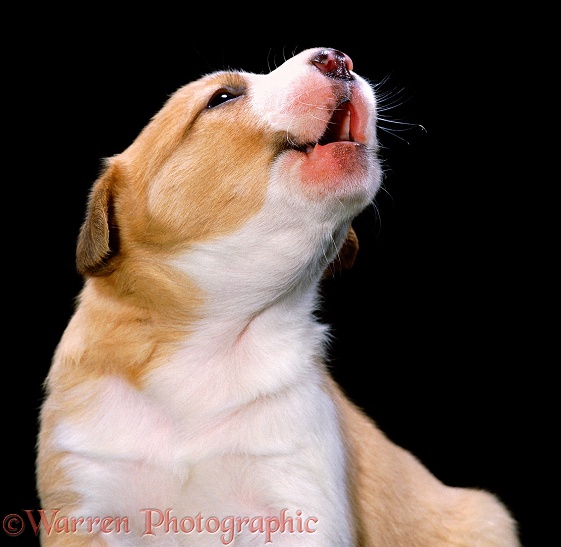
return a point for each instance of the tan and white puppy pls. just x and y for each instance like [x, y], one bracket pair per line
[188, 402]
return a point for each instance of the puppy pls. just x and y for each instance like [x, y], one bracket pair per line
[188, 402]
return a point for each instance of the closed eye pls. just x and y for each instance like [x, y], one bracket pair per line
[222, 96]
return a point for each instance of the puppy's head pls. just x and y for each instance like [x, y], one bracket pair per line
[242, 183]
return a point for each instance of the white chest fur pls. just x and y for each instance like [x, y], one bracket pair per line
[243, 429]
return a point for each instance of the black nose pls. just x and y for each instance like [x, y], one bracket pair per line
[333, 63]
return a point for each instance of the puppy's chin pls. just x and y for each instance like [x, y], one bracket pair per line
[338, 168]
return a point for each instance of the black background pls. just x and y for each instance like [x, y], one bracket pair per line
[436, 334]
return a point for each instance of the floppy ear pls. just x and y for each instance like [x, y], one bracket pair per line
[98, 238]
[345, 257]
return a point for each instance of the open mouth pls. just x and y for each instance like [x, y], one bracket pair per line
[339, 126]
[338, 129]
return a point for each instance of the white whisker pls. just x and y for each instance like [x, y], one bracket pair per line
[389, 100]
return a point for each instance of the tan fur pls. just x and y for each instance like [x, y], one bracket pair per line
[398, 502]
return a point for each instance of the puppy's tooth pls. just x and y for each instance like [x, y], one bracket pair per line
[346, 127]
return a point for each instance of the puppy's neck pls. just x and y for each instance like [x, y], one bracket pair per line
[261, 338]
[229, 362]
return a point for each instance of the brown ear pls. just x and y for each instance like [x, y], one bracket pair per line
[345, 257]
[97, 241]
